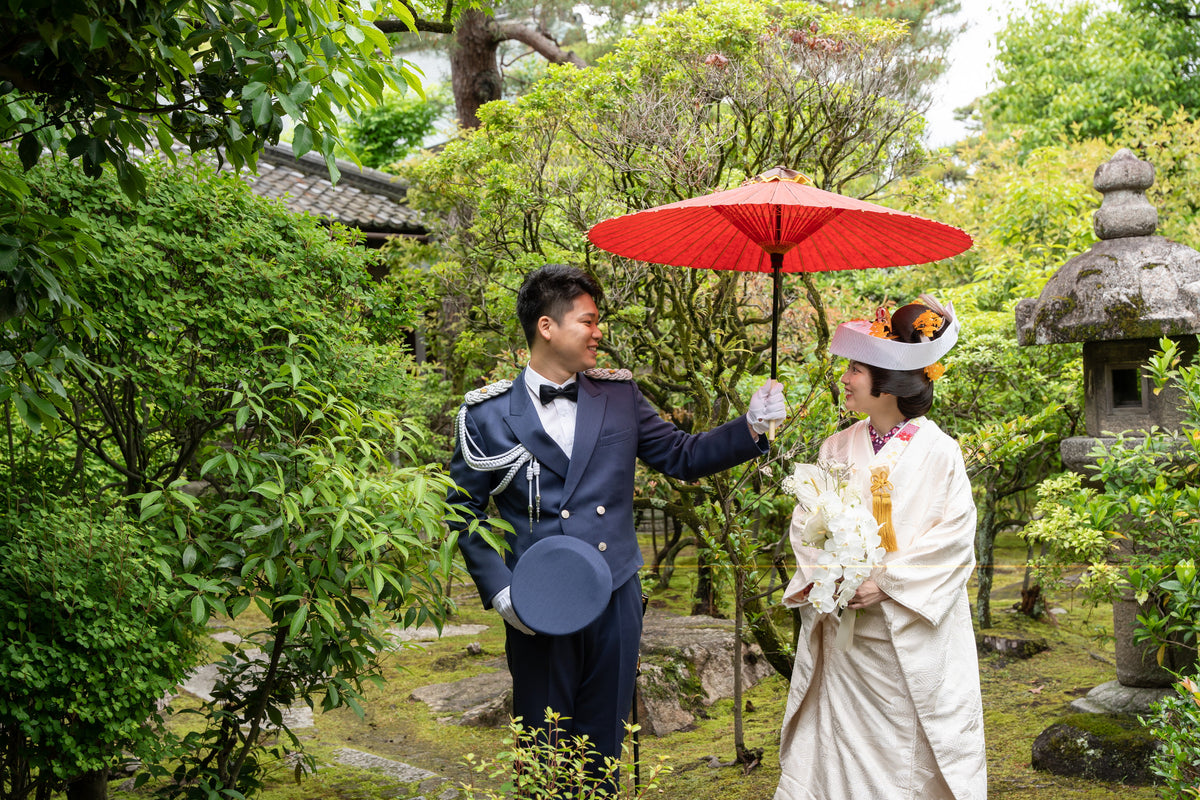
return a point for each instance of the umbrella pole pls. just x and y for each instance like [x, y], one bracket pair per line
[776, 302]
[776, 309]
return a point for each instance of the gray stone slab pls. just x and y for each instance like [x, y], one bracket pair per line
[428, 633]
[228, 637]
[1114, 697]
[201, 682]
[397, 770]
[463, 695]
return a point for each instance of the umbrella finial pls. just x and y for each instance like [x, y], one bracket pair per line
[780, 174]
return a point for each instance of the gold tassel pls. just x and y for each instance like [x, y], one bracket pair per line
[881, 507]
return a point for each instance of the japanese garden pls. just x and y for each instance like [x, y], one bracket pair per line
[252, 260]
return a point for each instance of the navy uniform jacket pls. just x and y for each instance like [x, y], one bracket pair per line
[589, 496]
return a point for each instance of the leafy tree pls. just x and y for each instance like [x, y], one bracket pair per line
[930, 28]
[701, 100]
[490, 36]
[391, 130]
[314, 531]
[95, 635]
[208, 418]
[1065, 72]
[102, 82]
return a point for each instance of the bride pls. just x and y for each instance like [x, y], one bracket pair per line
[897, 714]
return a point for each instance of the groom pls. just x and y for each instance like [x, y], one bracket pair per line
[556, 451]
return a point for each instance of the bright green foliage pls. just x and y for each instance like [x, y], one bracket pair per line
[391, 130]
[1170, 140]
[94, 637]
[1027, 216]
[1176, 724]
[312, 528]
[229, 323]
[1065, 72]
[1071, 519]
[102, 81]
[541, 765]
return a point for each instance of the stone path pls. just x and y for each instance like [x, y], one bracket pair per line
[413, 778]
[412, 782]
[687, 663]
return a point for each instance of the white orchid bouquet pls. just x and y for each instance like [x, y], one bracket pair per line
[844, 529]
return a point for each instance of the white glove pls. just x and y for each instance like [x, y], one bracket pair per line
[766, 406]
[503, 605]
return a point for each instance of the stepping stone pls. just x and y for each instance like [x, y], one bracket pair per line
[428, 633]
[201, 682]
[479, 701]
[422, 780]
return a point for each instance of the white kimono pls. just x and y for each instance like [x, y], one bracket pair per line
[897, 716]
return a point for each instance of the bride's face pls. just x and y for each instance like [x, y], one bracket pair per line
[856, 385]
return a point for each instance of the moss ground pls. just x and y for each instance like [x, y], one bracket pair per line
[1021, 698]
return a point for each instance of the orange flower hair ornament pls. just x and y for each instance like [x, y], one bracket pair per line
[935, 371]
[928, 323]
[882, 326]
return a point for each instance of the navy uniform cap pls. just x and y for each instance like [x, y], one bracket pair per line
[560, 585]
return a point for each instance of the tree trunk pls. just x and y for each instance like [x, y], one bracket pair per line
[739, 741]
[1032, 604]
[985, 549]
[704, 602]
[474, 73]
[89, 786]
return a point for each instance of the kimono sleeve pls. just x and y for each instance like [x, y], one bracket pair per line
[929, 576]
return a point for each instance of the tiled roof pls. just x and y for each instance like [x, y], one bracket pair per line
[367, 199]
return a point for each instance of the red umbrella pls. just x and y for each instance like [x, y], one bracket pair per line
[778, 222]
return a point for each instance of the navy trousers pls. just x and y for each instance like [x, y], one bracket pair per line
[587, 677]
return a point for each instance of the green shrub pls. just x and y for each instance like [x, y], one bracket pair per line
[546, 764]
[92, 642]
[391, 130]
[1176, 724]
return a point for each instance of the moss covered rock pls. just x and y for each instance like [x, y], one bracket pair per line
[1098, 747]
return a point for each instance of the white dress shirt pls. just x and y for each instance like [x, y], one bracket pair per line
[557, 416]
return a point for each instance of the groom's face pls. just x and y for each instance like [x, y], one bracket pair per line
[572, 341]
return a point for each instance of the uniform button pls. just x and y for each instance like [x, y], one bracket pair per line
[602, 546]
[565, 514]
[600, 510]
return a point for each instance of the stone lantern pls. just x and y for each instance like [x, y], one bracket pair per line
[1119, 298]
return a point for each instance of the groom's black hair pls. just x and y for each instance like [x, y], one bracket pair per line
[549, 292]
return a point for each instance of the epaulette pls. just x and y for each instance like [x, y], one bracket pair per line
[604, 374]
[477, 396]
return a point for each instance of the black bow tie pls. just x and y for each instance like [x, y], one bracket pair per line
[547, 393]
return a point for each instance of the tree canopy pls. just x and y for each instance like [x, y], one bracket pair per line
[1067, 71]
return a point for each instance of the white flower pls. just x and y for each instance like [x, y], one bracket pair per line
[814, 532]
[829, 502]
[844, 529]
[821, 595]
[809, 482]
